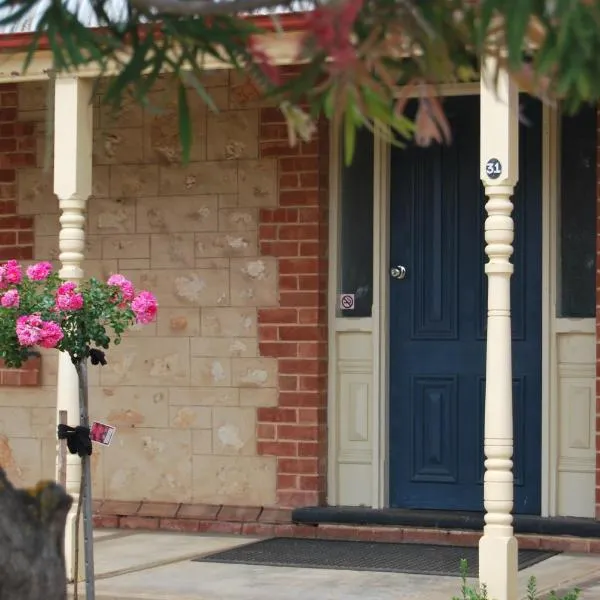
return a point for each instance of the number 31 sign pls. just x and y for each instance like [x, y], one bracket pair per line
[493, 168]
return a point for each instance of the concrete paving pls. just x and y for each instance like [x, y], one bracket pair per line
[157, 566]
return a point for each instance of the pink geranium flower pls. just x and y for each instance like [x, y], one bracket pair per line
[39, 271]
[13, 272]
[10, 299]
[68, 287]
[29, 329]
[10, 273]
[125, 286]
[145, 307]
[51, 334]
[67, 298]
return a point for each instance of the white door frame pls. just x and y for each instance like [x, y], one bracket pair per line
[378, 324]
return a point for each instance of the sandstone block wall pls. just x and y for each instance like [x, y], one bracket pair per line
[222, 400]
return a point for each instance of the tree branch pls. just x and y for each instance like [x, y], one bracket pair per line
[189, 8]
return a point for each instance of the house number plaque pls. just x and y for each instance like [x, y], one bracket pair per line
[493, 168]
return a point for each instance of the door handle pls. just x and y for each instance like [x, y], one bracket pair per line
[398, 272]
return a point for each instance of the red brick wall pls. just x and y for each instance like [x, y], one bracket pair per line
[295, 333]
[17, 150]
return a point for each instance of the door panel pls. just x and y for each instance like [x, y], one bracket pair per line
[438, 317]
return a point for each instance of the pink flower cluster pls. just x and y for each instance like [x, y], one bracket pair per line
[143, 305]
[10, 274]
[331, 27]
[10, 299]
[32, 330]
[124, 286]
[67, 298]
[39, 271]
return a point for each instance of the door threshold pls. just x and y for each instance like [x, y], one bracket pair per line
[441, 519]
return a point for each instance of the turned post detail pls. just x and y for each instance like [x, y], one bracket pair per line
[498, 552]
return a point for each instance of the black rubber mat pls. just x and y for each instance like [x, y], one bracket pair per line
[421, 559]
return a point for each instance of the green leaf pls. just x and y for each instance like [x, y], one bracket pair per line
[584, 88]
[145, 84]
[329, 104]
[545, 60]
[59, 62]
[349, 135]
[16, 16]
[517, 19]
[194, 81]
[133, 69]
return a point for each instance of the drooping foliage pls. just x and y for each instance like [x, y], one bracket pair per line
[360, 60]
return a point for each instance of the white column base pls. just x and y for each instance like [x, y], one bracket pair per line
[498, 566]
[68, 400]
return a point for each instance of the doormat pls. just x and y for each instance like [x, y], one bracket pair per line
[418, 559]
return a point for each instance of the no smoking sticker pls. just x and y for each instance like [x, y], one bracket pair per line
[347, 301]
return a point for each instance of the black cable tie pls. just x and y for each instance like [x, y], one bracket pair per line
[78, 439]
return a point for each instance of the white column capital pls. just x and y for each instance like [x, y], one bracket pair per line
[73, 135]
[499, 150]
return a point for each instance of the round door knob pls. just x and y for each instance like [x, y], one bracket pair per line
[398, 272]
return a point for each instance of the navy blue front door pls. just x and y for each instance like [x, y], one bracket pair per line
[438, 319]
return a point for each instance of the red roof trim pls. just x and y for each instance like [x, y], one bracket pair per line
[289, 22]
